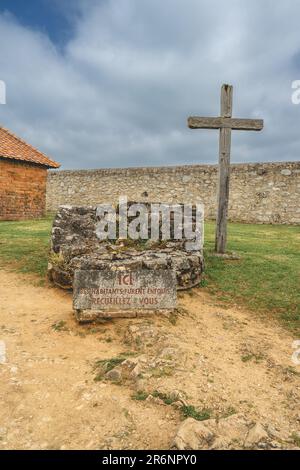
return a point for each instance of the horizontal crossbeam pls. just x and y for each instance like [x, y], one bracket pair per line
[225, 123]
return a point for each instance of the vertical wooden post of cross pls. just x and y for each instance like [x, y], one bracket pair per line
[225, 123]
[224, 171]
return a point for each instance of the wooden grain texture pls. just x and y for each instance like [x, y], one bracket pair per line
[226, 124]
[236, 124]
[224, 171]
[226, 101]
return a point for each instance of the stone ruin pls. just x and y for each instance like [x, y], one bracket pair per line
[75, 245]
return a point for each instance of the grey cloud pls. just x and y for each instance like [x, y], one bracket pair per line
[120, 91]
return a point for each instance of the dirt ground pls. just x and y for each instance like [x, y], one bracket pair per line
[225, 360]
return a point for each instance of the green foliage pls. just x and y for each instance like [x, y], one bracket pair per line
[140, 396]
[252, 357]
[57, 259]
[189, 411]
[291, 370]
[60, 326]
[109, 364]
[164, 397]
[230, 411]
[296, 439]
[105, 365]
[204, 282]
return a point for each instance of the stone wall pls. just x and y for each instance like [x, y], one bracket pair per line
[22, 190]
[260, 192]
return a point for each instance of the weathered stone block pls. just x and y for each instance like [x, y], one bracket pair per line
[75, 246]
[113, 293]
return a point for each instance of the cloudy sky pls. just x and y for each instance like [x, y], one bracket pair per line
[110, 83]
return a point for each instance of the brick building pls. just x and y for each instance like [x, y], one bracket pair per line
[23, 175]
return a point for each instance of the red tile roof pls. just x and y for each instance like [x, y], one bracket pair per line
[11, 146]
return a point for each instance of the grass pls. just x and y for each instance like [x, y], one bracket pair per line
[167, 399]
[296, 439]
[109, 364]
[60, 326]
[265, 279]
[292, 370]
[24, 245]
[230, 411]
[140, 396]
[189, 411]
[249, 357]
[105, 366]
[102, 366]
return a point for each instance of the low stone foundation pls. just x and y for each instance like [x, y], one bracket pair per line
[75, 246]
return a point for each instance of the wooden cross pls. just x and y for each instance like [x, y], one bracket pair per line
[226, 124]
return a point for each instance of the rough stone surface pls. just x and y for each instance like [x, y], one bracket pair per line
[259, 192]
[228, 433]
[286, 172]
[147, 289]
[115, 375]
[256, 435]
[142, 335]
[193, 435]
[75, 246]
[102, 292]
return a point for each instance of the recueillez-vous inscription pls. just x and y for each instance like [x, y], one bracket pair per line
[108, 293]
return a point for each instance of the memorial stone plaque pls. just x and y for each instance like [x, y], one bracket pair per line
[120, 293]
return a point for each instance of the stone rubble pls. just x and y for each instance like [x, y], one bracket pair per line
[233, 432]
[74, 245]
